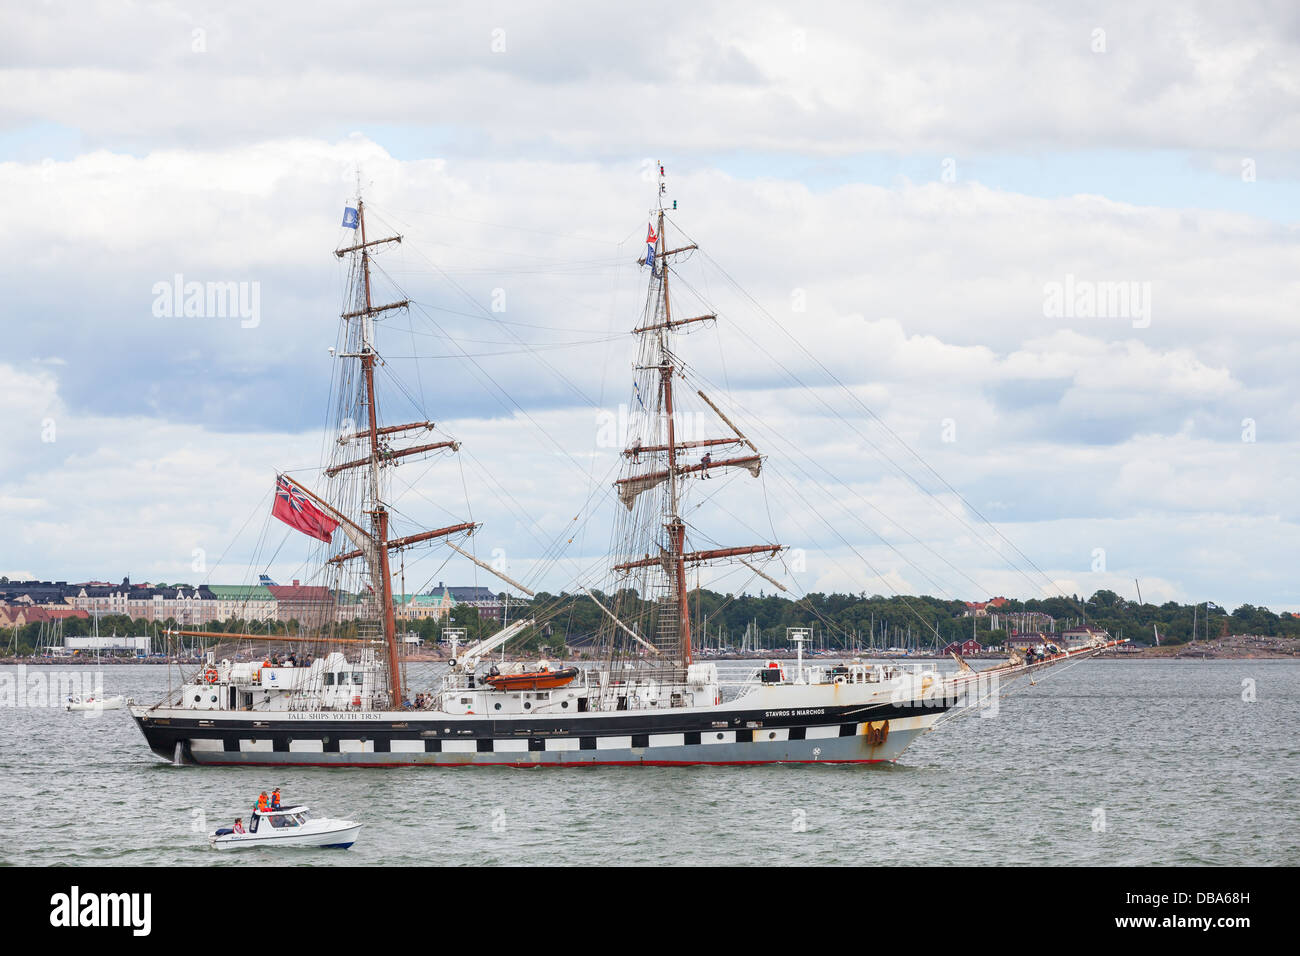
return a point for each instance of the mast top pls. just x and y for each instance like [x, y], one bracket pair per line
[663, 191]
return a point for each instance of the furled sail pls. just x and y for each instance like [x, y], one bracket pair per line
[629, 488]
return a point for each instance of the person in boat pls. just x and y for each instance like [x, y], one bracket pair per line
[275, 799]
[262, 804]
[239, 825]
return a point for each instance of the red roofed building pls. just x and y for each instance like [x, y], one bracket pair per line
[16, 615]
[309, 605]
[981, 608]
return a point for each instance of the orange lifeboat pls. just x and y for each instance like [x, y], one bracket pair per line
[533, 680]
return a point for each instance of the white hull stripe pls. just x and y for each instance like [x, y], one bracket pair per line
[205, 745]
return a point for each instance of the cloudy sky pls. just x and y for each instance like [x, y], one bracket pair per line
[1007, 292]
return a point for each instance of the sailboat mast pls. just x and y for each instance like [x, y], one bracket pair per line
[674, 524]
[665, 556]
[380, 513]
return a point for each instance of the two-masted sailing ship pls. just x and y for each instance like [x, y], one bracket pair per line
[347, 700]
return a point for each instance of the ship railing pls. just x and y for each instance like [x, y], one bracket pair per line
[844, 674]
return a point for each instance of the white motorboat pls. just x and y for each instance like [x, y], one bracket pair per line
[116, 702]
[290, 826]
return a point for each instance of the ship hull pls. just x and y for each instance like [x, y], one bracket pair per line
[853, 734]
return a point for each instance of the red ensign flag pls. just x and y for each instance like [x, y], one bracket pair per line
[297, 511]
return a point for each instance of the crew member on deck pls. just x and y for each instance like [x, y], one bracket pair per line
[261, 802]
[275, 799]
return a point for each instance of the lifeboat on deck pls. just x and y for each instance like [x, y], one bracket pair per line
[542, 679]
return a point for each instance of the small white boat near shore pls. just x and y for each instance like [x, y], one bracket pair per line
[290, 826]
[116, 702]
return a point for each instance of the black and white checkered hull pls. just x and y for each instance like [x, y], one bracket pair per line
[857, 735]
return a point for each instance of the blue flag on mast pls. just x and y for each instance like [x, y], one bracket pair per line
[350, 218]
[650, 241]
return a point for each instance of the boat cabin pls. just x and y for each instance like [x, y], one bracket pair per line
[587, 691]
[286, 818]
[329, 683]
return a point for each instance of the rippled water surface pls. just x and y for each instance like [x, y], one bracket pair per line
[1166, 754]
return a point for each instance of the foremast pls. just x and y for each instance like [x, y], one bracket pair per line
[656, 335]
[374, 543]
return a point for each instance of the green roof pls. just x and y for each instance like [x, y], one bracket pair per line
[422, 599]
[241, 592]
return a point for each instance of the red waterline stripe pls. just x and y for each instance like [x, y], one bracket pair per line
[554, 763]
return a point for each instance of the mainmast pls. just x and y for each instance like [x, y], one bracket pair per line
[375, 550]
[674, 558]
[674, 525]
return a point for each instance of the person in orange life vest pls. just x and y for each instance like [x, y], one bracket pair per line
[275, 799]
[261, 802]
[239, 825]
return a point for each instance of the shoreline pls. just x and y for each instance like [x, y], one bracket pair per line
[1262, 649]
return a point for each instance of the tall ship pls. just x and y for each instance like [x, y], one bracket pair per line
[343, 693]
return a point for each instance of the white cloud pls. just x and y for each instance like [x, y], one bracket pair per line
[925, 298]
[829, 79]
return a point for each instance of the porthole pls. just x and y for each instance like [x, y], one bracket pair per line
[497, 705]
[719, 736]
[197, 698]
[528, 705]
[214, 698]
[771, 735]
[564, 703]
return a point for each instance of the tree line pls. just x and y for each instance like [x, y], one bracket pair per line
[847, 621]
